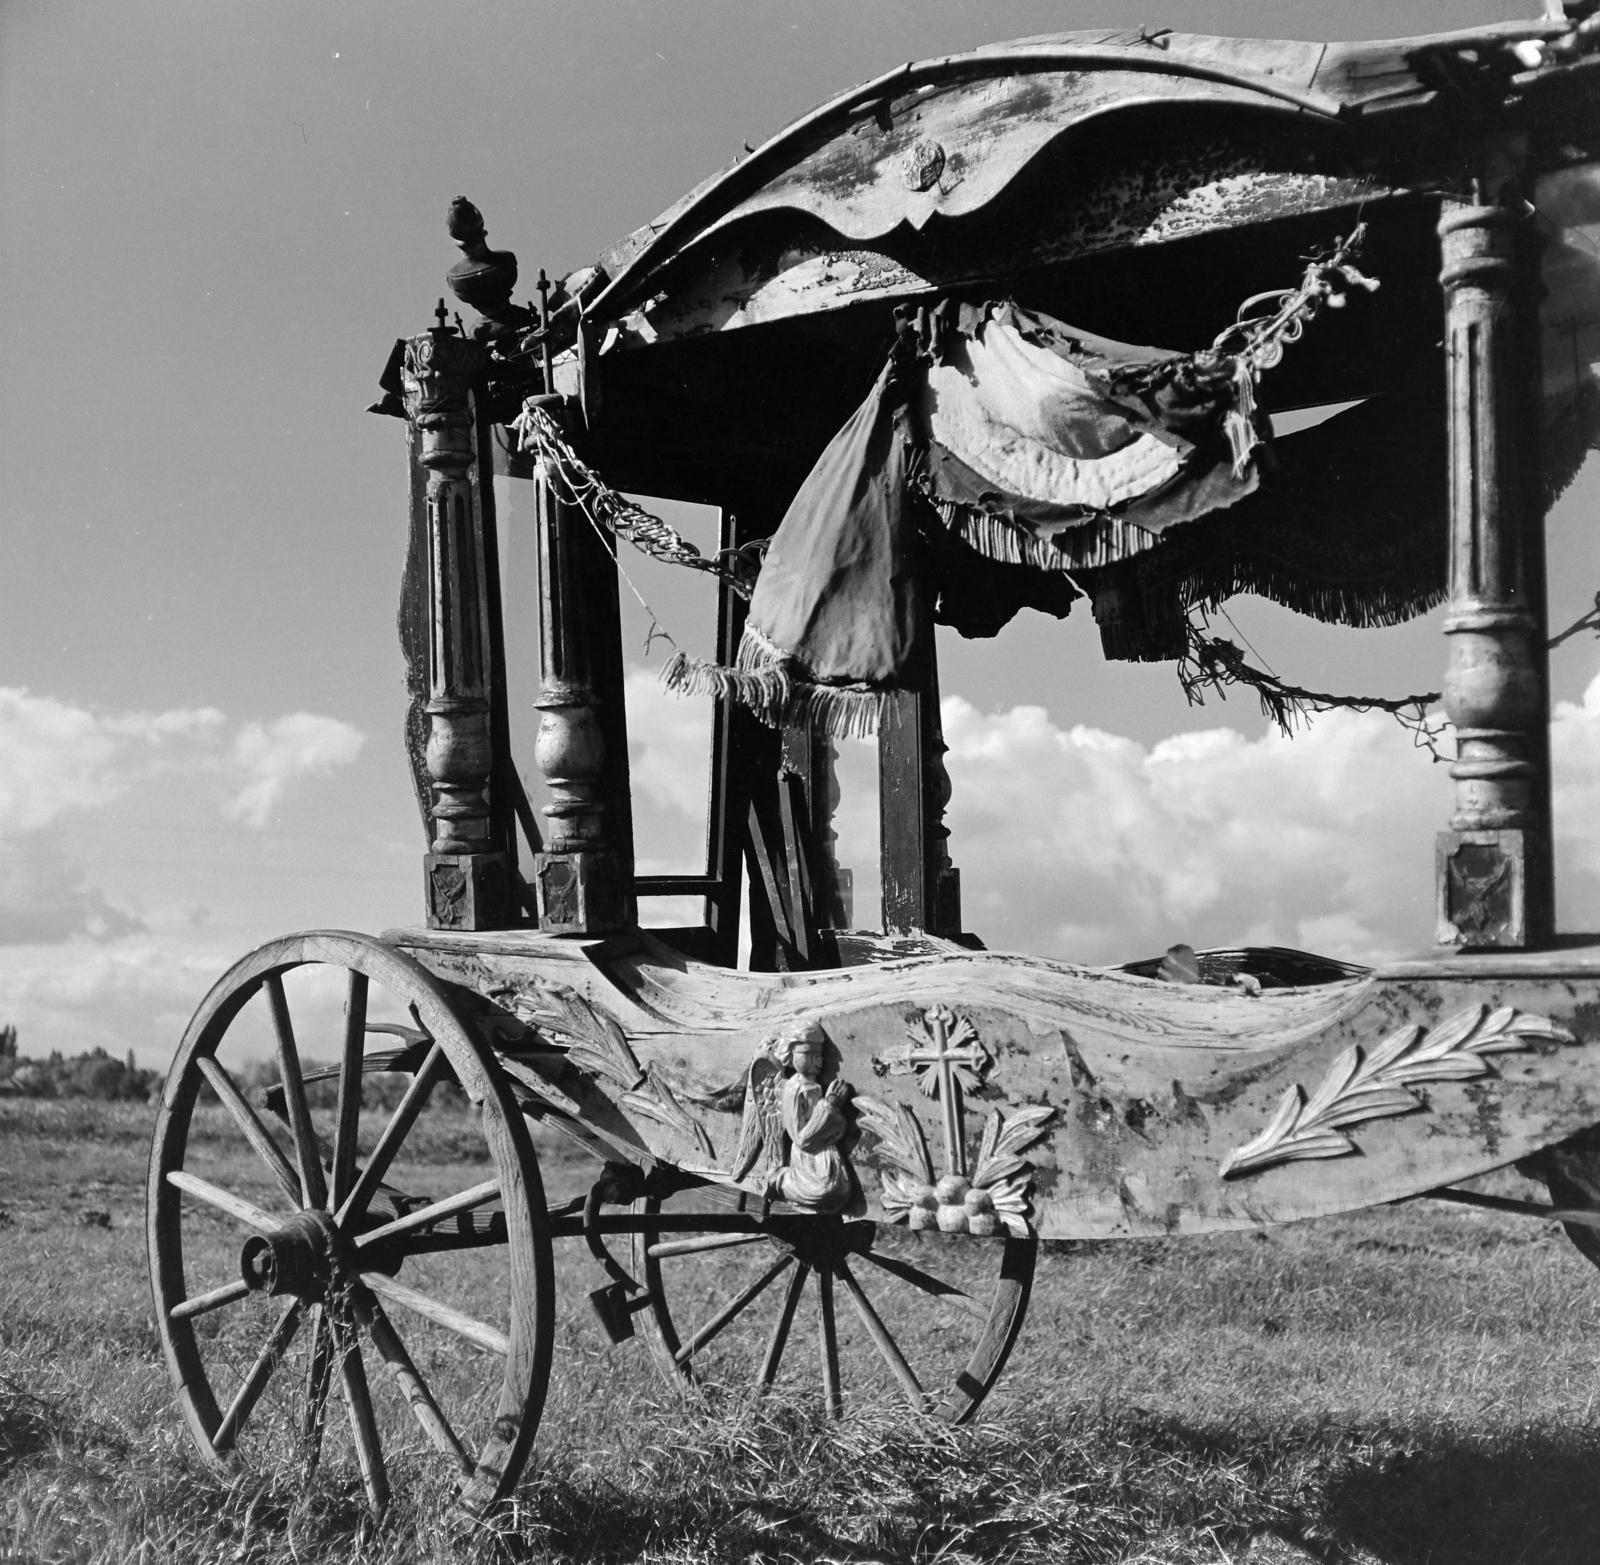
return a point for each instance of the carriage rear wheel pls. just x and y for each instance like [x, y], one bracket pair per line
[395, 1259]
[929, 1317]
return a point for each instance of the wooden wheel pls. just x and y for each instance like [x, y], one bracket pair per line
[1571, 1173]
[397, 1260]
[929, 1317]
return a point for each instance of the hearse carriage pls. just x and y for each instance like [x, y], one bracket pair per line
[903, 347]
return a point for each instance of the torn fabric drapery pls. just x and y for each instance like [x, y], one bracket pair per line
[1005, 459]
[1004, 421]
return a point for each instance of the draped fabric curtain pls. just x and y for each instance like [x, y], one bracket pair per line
[1006, 460]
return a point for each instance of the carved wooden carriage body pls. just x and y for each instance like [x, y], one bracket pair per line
[851, 1086]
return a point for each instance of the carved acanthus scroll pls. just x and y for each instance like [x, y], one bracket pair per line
[1361, 1086]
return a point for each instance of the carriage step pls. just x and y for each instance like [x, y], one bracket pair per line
[616, 1310]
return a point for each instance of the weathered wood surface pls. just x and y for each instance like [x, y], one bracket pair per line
[1494, 866]
[950, 134]
[952, 149]
[1153, 1087]
[333, 1297]
[466, 873]
[1216, 184]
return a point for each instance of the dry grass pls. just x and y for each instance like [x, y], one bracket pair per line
[1407, 1387]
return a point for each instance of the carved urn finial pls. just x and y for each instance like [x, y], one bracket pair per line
[485, 278]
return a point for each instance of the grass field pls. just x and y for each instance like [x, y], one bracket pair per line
[1410, 1386]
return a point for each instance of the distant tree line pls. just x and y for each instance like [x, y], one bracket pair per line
[96, 1074]
[100, 1075]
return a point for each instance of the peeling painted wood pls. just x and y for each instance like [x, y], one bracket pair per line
[1152, 1086]
[1208, 187]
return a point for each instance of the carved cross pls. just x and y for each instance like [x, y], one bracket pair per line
[948, 1056]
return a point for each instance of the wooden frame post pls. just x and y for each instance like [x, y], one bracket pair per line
[921, 888]
[585, 873]
[466, 872]
[1494, 864]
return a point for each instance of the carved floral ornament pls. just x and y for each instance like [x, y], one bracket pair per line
[947, 1054]
[1361, 1086]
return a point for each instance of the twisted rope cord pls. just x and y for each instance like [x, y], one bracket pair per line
[1213, 663]
[614, 513]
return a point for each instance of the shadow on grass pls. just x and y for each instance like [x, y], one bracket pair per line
[1093, 1488]
[29, 1425]
[1532, 1498]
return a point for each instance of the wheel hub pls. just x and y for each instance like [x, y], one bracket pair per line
[301, 1258]
[820, 1242]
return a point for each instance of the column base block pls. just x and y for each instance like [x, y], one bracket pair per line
[467, 890]
[1489, 890]
[582, 893]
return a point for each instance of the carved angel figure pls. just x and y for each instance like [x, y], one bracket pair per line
[793, 1123]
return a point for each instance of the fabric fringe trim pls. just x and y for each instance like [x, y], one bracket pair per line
[1172, 586]
[1104, 542]
[773, 685]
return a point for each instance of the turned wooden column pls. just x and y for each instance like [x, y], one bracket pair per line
[1494, 871]
[466, 877]
[585, 873]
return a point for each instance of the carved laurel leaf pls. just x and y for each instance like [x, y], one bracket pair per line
[1448, 1034]
[898, 1195]
[901, 1136]
[1387, 1052]
[1370, 1103]
[1357, 1088]
[1001, 1168]
[1264, 1148]
[1003, 1139]
[990, 1139]
[1335, 1082]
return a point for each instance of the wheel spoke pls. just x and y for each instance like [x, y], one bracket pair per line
[415, 1389]
[255, 1382]
[883, 1341]
[204, 1303]
[364, 1427]
[918, 1278]
[395, 1132]
[224, 1201]
[319, 1376]
[667, 1247]
[463, 1201]
[440, 1314]
[313, 1184]
[780, 1331]
[349, 1121]
[255, 1132]
[733, 1309]
[829, 1342]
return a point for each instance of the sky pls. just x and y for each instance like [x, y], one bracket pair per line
[214, 220]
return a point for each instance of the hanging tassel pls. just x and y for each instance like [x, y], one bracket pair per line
[769, 683]
[1241, 419]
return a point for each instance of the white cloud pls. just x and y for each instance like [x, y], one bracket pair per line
[1085, 845]
[56, 758]
[62, 765]
[273, 755]
[137, 993]
[1575, 761]
[669, 745]
[1096, 848]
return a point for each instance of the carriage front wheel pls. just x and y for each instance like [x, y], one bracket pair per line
[315, 1236]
